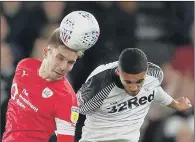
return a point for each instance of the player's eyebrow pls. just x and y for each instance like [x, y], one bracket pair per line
[72, 61]
[138, 81]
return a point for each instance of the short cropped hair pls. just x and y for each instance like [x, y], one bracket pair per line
[133, 61]
[56, 41]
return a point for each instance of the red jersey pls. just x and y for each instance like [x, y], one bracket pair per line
[38, 107]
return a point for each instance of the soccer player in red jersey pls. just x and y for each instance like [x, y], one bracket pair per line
[42, 99]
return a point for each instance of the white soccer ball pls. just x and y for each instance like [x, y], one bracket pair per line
[79, 30]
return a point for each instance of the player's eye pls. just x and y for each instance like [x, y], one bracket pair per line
[71, 62]
[60, 58]
[128, 82]
[137, 82]
[140, 81]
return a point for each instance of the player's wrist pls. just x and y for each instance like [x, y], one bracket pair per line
[178, 106]
[175, 105]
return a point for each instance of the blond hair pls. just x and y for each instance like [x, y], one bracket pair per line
[56, 41]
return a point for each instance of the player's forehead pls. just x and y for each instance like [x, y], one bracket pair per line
[65, 52]
[133, 77]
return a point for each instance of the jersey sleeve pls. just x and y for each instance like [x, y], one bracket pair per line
[88, 96]
[162, 97]
[66, 116]
[93, 92]
[156, 72]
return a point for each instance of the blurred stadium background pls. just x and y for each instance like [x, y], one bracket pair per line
[164, 30]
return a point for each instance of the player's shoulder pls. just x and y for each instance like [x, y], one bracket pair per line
[64, 98]
[64, 89]
[99, 79]
[154, 75]
[68, 87]
[28, 62]
[101, 71]
[28, 67]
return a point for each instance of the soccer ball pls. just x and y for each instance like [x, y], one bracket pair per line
[79, 30]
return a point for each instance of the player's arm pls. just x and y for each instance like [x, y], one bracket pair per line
[66, 117]
[180, 104]
[163, 98]
[88, 97]
[91, 94]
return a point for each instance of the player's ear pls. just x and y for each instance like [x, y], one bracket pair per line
[45, 51]
[117, 71]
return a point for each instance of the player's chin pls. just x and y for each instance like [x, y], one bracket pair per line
[133, 93]
[56, 76]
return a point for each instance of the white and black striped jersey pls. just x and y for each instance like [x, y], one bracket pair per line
[111, 113]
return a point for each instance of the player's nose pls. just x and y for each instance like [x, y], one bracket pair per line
[133, 87]
[64, 66]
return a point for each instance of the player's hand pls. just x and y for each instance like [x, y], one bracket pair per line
[183, 103]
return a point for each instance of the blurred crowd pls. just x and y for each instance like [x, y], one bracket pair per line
[163, 30]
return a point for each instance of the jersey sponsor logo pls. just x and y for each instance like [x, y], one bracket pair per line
[24, 91]
[27, 102]
[74, 114]
[47, 93]
[131, 103]
[20, 99]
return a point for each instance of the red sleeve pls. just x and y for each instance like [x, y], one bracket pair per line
[65, 138]
[66, 117]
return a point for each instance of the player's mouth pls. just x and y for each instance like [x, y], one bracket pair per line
[133, 93]
[59, 74]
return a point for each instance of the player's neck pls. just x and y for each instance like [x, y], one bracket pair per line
[42, 72]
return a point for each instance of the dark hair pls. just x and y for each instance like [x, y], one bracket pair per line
[133, 61]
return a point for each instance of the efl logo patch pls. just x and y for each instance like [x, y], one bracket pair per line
[47, 93]
[74, 114]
